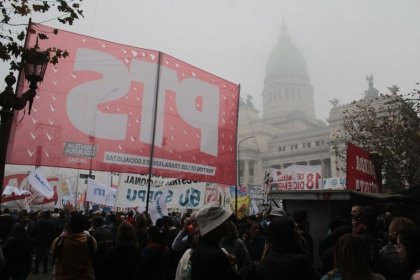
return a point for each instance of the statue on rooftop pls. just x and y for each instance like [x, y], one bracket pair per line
[249, 102]
[369, 78]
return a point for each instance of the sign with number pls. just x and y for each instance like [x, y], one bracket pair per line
[296, 178]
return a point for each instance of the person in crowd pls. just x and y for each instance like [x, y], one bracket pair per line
[130, 218]
[74, 251]
[176, 220]
[1, 259]
[6, 224]
[368, 229]
[185, 236]
[408, 248]
[327, 246]
[155, 257]
[122, 258]
[301, 219]
[114, 221]
[388, 263]
[43, 234]
[60, 220]
[329, 241]
[23, 220]
[236, 247]
[355, 217]
[17, 254]
[140, 230]
[104, 241]
[285, 256]
[183, 270]
[170, 232]
[208, 260]
[255, 243]
[270, 215]
[351, 260]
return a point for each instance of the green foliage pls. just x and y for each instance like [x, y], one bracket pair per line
[13, 32]
[390, 126]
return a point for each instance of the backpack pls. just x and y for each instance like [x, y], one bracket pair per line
[60, 243]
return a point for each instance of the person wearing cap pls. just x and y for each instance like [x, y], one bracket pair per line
[276, 212]
[208, 260]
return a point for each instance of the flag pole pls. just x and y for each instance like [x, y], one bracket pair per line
[152, 150]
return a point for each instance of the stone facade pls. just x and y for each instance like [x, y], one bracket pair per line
[288, 131]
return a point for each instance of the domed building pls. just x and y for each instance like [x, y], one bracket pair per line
[288, 131]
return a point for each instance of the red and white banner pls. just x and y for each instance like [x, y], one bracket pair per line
[296, 178]
[361, 175]
[40, 183]
[95, 110]
[28, 197]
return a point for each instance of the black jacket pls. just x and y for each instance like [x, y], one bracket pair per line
[208, 262]
[288, 266]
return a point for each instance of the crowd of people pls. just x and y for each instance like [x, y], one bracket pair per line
[207, 244]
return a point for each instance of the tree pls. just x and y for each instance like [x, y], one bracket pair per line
[12, 32]
[388, 125]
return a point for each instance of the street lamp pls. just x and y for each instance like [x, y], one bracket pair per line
[238, 181]
[34, 64]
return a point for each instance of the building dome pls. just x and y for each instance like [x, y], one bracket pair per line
[287, 87]
[285, 58]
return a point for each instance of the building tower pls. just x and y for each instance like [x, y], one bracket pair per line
[287, 88]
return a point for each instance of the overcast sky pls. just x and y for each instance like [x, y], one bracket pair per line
[342, 41]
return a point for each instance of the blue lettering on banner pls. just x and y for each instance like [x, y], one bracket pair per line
[98, 191]
[191, 198]
[42, 182]
[141, 195]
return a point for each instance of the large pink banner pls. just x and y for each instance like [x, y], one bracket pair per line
[95, 110]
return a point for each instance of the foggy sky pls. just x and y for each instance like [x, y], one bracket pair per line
[342, 41]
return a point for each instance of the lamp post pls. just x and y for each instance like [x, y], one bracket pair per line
[34, 63]
[238, 181]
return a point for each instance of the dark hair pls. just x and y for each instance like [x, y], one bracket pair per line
[368, 215]
[125, 232]
[155, 235]
[282, 234]
[351, 257]
[141, 221]
[410, 238]
[77, 223]
[300, 216]
[396, 226]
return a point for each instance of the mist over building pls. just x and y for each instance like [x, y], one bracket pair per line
[287, 131]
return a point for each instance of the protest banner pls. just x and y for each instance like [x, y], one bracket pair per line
[158, 207]
[338, 183]
[361, 174]
[34, 200]
[182, 193]
[97, 112]
[97, 192]
[296, 177]
[40, 183]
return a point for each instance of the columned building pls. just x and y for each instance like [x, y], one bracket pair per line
[288, 131]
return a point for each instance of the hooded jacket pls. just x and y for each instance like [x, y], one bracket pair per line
[74, 259]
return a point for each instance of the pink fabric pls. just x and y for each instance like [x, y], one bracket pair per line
[94, 110]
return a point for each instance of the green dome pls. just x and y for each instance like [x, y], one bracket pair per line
[285, 58]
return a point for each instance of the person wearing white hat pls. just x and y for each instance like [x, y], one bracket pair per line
[208, 260]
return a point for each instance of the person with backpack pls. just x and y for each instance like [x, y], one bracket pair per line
[74, 252]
